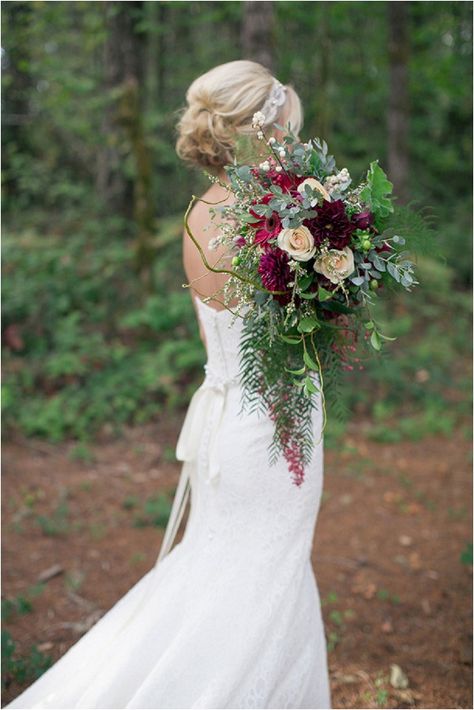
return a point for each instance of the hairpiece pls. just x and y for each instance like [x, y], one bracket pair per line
[276, 98]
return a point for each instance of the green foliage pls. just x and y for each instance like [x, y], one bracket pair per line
[376, 192]
[466, 554]
[56, 524]
[155, 511]
[86, 348]
[21, 668]
[19, 605]
[268, 367]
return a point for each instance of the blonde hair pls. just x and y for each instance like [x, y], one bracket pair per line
[220, 107]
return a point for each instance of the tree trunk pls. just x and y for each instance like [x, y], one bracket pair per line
[324, 44]
[18, 87]
[257, 32]
[398, 115]
[130, 117]
[123, 50]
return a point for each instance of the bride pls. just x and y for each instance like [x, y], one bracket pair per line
[229, 617]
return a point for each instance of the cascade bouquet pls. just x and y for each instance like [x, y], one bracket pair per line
[309, 252]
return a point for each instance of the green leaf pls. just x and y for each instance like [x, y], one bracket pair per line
[244, 173]
[376, 192]
[309, 296]
[369, 325]
[310, 362]
[310, 386]
[307, 324]
[296, 372]
[375, 340]
[292, 340]
[305, 281]
[337, 307]
[323, 294]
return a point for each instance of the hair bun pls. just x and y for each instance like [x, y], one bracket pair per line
[220, 106]
[205, 138]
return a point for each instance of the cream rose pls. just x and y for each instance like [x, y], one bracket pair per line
[314, 185]
[298, 243]
[335, 265]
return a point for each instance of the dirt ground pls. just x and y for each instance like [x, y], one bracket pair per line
[394, 521]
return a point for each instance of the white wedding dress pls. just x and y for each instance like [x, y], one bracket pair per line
[231, 616]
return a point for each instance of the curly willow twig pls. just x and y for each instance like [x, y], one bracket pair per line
[256, 285]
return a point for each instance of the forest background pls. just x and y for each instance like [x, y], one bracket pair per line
[98, 333]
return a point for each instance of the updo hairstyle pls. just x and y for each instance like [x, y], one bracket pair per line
[220, 107]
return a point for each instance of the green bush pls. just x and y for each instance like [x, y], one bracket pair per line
[83, 346]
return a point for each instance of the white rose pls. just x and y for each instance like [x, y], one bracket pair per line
[314, 185]
[299, 243]
[335, 265]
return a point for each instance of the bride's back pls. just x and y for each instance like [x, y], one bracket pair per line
[205, 283]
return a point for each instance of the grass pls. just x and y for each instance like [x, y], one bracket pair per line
[336, 621]
[57, 524]
[466, 554]
[82, 452]
[155, 511]
[21, 668]
[22, 604]
[385, 595]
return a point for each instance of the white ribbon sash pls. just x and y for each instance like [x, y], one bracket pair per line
[205, 410]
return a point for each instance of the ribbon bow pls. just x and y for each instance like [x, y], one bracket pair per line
[205, 410]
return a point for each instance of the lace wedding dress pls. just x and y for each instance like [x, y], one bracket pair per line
[231, 616]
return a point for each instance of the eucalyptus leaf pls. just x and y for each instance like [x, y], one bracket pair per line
[393, 271]
[378, 262]
[244, 173]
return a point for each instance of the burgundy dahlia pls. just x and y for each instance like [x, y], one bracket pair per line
[275, 273]
[267, 227]
[362, 220]
[332, 223]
